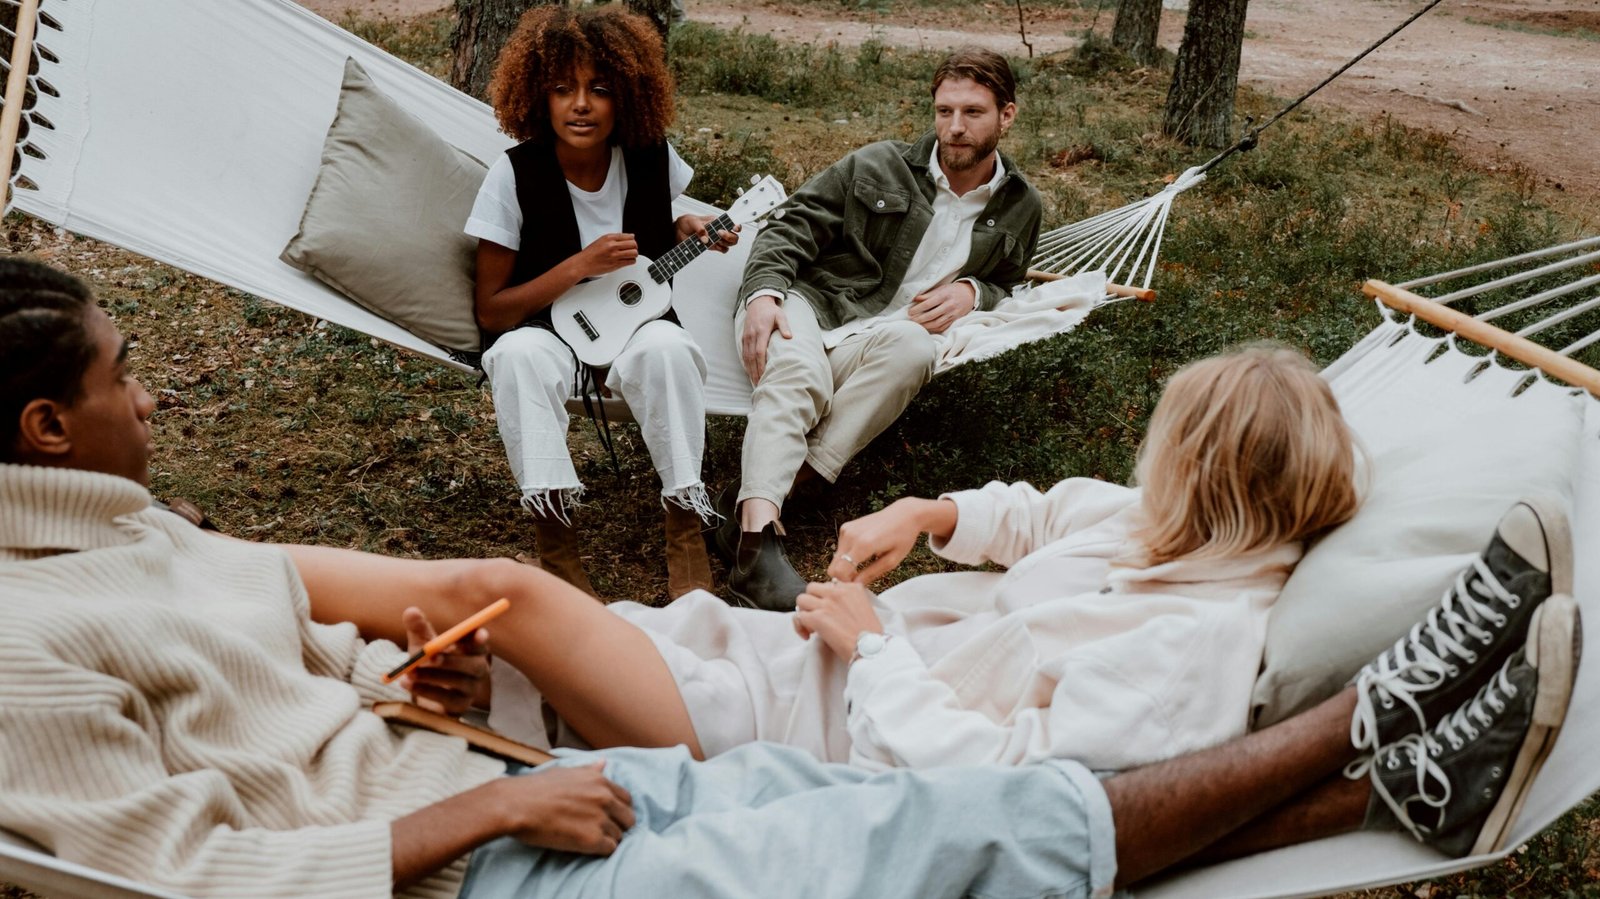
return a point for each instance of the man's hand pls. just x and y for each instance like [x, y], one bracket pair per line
[689, 226]
[838, 613]
[761, 318]
[608, 253]
[565, 809]
[568, 809]
[448, 682]
[937, 309]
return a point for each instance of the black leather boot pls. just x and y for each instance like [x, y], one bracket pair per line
[761, 576]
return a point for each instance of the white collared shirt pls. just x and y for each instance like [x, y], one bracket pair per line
[943, 251]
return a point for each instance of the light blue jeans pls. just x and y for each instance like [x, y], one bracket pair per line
[771, 821]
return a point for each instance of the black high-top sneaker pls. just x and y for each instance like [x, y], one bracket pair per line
[1479, 623]
[1460, 784]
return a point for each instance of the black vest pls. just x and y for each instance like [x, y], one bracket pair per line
[550, 228]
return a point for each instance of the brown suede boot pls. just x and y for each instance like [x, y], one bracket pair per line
[557, 544]
[688, 567]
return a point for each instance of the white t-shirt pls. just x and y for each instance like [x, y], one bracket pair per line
[497, 217]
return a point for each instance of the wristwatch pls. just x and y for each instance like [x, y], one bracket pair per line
[868, 645]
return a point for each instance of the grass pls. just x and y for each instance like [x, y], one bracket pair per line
[286, 429]
[1581, 32]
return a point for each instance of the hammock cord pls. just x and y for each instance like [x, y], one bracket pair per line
[1249, 140]
[1501, 263]
[1579, 264]
[1106, 241]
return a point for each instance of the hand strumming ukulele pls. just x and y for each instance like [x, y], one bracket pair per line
[597, 317]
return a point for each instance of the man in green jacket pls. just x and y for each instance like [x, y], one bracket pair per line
[847, 290]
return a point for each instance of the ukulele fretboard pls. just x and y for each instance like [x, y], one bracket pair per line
[684, 253]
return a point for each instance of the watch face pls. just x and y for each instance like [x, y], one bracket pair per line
[870, 644]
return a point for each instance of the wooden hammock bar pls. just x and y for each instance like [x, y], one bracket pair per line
[1116, 290]
[1496, 338]
[17, 86]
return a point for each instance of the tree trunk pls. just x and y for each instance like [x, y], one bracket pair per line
[1135, 31]
[659, 12]
[1206, 78]
[482, 28]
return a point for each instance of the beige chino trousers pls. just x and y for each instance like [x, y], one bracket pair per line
[823, 406]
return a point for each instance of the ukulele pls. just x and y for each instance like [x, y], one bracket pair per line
[598, 316]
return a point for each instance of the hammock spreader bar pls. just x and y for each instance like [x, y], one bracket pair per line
[1492, 336]
[16, 88]
[1582, 262]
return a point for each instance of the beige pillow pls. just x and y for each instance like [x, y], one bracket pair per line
[383, 223]
[1448, 459]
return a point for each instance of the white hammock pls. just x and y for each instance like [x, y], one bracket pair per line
[191, 132]
[1395, 351]
[1121, 241]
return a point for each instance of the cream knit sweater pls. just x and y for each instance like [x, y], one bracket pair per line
[169, 712]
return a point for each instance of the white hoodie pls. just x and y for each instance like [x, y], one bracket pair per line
[1062, 656]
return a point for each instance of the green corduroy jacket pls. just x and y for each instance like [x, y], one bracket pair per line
[845, 239]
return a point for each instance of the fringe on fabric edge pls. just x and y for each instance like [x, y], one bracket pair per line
[694, 498]
[557, 502]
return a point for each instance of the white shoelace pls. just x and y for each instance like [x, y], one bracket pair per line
[1412, 667]
[1424, 749]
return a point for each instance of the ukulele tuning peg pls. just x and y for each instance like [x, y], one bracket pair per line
[739, 191]
[755, 179]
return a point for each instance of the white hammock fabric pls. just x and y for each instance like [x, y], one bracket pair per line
[1392, 352]
[190, 133]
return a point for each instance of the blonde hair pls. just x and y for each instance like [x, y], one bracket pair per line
[1246, 451]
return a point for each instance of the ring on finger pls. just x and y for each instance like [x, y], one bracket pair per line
[846, 557]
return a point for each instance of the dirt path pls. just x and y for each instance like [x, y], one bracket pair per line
[1488, 72]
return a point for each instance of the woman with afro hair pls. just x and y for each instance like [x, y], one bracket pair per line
[586, 191]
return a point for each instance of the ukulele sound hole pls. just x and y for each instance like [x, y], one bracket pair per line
[630, 294]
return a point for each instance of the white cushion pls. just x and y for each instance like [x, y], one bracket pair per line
[1447, 460]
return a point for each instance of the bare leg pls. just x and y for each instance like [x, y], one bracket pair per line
[602, 674]
[756, 513]
[1337, 805]
[1169, 811]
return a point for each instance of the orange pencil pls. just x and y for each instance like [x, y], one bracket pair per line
[445, 640]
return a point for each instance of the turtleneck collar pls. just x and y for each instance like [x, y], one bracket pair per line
[60, 509]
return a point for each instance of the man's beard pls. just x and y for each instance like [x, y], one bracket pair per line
[960, 159]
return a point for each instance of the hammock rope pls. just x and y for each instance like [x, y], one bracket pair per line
[1104, 242]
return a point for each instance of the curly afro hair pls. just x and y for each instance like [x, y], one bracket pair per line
[625, 50]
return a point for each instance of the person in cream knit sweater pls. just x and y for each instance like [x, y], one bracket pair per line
[171, 712]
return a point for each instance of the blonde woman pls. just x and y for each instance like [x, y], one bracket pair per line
[1127, 628]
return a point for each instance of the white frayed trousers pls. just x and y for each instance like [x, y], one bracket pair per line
[660, 374]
